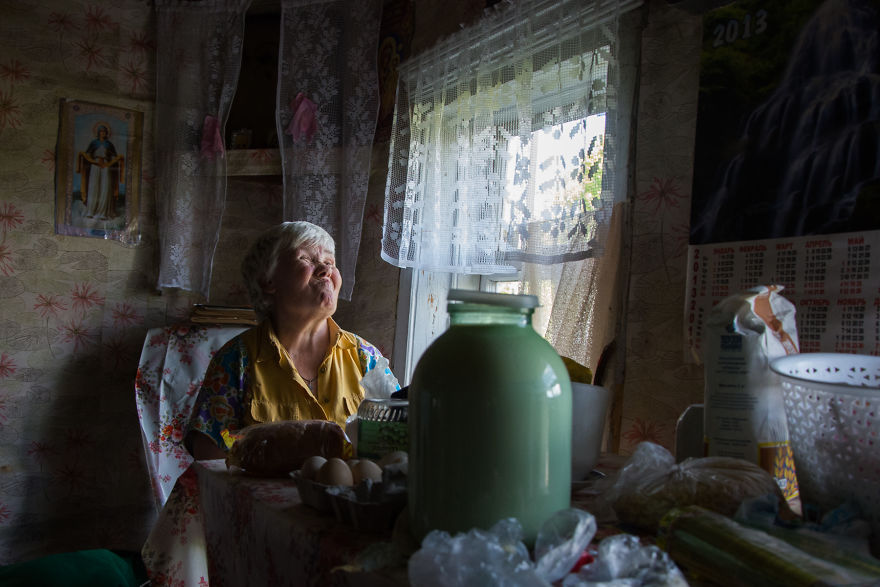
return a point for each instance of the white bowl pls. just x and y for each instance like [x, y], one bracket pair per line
[589, 408]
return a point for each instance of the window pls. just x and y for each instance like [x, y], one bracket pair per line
[504, 161]
[582, 182]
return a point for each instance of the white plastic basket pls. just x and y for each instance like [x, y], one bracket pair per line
[832, 404]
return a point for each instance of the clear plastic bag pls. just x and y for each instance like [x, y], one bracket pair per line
[622, 560]
[651, 484]
[477, 558]
[497, 557]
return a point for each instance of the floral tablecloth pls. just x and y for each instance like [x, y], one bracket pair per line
[258, 532]
[170, 371]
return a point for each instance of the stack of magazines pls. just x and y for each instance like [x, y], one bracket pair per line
[206, 314]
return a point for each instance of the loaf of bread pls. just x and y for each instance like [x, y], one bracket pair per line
[277, 448]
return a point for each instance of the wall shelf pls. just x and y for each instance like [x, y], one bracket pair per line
[253, 162]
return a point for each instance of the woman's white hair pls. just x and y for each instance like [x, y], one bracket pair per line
[261, 260]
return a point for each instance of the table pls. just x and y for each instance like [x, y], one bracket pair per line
[258, 532]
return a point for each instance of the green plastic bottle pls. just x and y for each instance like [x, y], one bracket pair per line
[489, 421]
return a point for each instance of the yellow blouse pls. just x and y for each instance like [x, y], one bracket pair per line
[280, 393]
[251, 379]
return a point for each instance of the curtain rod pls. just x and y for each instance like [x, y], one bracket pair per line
[501, 20]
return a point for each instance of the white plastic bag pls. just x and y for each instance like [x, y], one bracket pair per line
[378, 383]
[744, 414]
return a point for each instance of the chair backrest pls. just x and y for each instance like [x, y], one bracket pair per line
[171, 368]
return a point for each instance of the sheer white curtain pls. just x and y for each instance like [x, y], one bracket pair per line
[585, 299]
[476, 181]
[509, 154]
[328, 102]
[580, 300]
[199, 46]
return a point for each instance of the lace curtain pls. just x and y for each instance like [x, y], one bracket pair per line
[579, 272]
[328, 102]
[505, 140]
[198, 61]
[584, 300]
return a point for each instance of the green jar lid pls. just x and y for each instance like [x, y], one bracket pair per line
[492, 299]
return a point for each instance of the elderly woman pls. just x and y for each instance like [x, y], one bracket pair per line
[296, 363]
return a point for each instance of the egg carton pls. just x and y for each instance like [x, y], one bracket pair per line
[312, 493]
[369, 507]
[366, 516]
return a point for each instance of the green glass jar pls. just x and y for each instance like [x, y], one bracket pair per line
[489, 421]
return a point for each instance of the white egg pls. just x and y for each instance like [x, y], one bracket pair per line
[311, 466]
[366, 469]
[335, 472]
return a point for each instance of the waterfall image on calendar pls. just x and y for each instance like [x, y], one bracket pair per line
[788, 122]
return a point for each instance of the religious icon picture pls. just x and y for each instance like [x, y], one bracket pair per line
[98, 170]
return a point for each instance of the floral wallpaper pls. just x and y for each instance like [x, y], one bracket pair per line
[659, 382]
[75, 311]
